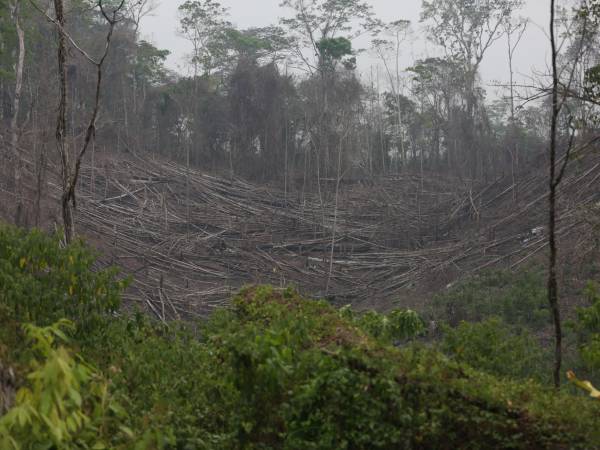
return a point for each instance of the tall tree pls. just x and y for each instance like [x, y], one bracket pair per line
[563, 86]
[439, 84]
[514, 31]
[14, 126]
[204, 24]
[70, 170]
[466, 29]
[552, 278]
[323, 31]
[316, 22]
[397, 33]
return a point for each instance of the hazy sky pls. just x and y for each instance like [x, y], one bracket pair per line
[161, 29]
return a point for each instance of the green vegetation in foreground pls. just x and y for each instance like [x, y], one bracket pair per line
[499, 349]
[273, 371]
[518, 299]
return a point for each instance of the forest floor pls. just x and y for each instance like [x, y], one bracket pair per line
[190, 239]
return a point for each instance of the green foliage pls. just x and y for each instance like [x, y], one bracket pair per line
[203, 23]
[498, 349]
[328, 26]
[326, 18]
[589, 317]
[7, 40]
[332, 50]
[587, 328]
[64, 403]
[590, 10]
[466, 28]
[592, 83]
[273, 371]
[280, 371]
[333, 387]
[172, 380]
[398, 325]
[256, 43]
[42, 282]
[517, 298]
[149, 64]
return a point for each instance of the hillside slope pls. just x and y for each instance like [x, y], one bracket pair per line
[190, 238]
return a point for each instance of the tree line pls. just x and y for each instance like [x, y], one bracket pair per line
[286, 103]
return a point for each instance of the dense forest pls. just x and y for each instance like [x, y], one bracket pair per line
[284, 246]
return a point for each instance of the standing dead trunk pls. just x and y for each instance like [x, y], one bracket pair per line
[40, 177]
[14, 125]
[70, 172]
[553, 185]
[335, 213]
[513, 147]
[61, 123]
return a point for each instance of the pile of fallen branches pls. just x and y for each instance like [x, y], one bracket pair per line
[189, 239]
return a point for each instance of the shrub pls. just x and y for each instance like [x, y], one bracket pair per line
[64, 403]
[174, 381]
[517, 298]
[307, 378]
[396, 326]
[587, 328]
[273, 371]
[497, 348]
[279, 371]
[42, 282]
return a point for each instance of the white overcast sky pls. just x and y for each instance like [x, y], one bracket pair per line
[161, 29]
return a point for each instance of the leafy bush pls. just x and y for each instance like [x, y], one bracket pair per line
[307, 378]
[279, 371]
[65, 403]
[517, 298]
[272, 371]
[587, 328]
[396, 326]
[173, 381]
[497, 348]
[41, 282]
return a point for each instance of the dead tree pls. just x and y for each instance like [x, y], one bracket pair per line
[552, 279]
[14, 124]
[70, 170]
[559, 94]
[518, 30]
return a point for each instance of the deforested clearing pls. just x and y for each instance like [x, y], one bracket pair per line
[311, 224]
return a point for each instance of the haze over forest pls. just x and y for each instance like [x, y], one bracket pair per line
[299, 224]
[162, 25]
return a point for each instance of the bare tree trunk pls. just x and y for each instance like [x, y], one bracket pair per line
[513, 147]
[70, 172]
[380, 124]
[335, 214]
[513, 126]
[187, 188]
[41, 170]
[61, 123]
[552, 276]
[285, 161]
[555, 179]
[14, 128]
[125, 115]
[39, 151]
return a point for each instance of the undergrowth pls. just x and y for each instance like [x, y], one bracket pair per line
[273, 371]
